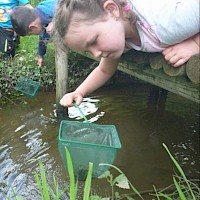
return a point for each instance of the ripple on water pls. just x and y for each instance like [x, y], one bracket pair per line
[31, 132]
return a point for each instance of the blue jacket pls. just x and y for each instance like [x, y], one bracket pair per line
[45, 10]
[6, 7]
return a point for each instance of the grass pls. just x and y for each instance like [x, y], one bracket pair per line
[47, 193]
[183, 189]
[24, 64]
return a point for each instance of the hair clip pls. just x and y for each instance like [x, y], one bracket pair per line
[127, 7]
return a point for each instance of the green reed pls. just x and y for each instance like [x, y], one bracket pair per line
[47, 193]
[183, 189]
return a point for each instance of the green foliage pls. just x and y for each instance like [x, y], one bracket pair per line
[46, 191]
[183, 188]
[24, 64]
[88, 183]
[79, 68]
[35, 2]
[73, 186]
[121, 181]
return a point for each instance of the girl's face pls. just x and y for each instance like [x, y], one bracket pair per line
[102, 39]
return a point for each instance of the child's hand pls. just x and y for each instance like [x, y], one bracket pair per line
[40, 60]
[178, 54]
[68, 98]
[49, 28]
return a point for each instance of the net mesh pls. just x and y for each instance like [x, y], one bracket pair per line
[88, 142]
[28, 86]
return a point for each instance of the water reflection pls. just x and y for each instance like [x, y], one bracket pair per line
[30, 132]
[89, 108]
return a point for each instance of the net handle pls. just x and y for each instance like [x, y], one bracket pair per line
[75, 104]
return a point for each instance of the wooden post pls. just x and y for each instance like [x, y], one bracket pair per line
[61, 62]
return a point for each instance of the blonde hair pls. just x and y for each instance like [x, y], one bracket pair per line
[74, 11]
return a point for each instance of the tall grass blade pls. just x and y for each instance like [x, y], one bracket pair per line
[164, 195]
[16, 197]
[56, 188]
[44, 182]
[39, 184]
[181, 171]
[156, 192]
[73, 188]
[180, 192]
[52, 194]
[88, 182]
[58, 192]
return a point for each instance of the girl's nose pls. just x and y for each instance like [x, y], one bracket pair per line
[97, 53]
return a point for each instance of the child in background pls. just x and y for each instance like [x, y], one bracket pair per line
[37, 21]
[7, 45]
[108, 28]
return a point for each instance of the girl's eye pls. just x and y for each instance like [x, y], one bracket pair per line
[94, 42]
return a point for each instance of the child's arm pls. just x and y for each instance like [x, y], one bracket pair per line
[178, 54]
[42, 46]
[98, 77]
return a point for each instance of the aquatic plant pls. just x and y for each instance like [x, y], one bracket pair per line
[46, 191]
[182, 188]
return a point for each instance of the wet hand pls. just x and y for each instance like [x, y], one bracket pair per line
[40, 61]
[67, 99]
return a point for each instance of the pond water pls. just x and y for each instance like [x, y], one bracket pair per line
[29, 132]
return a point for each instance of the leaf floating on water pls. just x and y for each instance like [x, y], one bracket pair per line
[122, 182]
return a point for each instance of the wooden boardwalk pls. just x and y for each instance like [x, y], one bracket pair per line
[140, 66]
[152, 69]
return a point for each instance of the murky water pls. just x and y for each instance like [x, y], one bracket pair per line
[29, 132]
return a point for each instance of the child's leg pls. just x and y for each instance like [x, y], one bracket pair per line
[180, 53]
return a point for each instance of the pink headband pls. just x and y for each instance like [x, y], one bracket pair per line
[127, 7]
